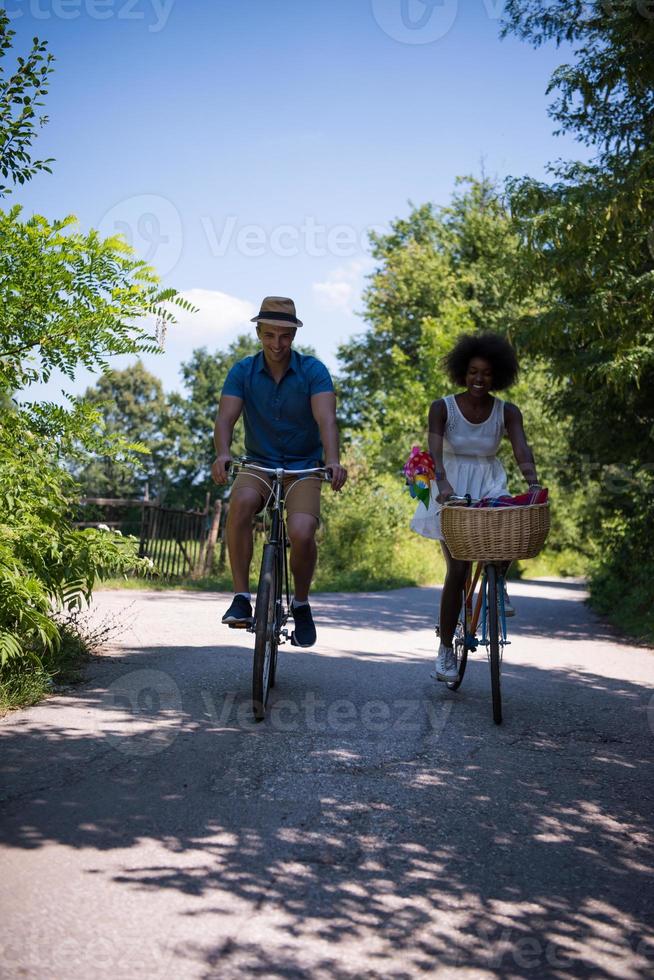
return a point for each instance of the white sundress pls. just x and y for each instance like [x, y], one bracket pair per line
[470, 461]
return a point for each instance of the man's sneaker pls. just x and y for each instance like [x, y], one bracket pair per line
[304, 634]
[446, 668]
[239, 614]
[508, 607]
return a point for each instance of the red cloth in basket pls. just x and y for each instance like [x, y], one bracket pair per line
[538, 496]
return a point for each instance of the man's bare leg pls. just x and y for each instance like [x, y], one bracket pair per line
[302, 535]
[244, 504]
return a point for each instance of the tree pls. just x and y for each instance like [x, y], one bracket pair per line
[190, 419]
[20, 96]
[132, 405]
[586, 243]
[440, 272]
[66, 299]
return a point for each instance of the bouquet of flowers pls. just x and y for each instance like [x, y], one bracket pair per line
[419, 471]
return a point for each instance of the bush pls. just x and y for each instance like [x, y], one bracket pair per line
[621, 584]
[366, 543]
[45, 564]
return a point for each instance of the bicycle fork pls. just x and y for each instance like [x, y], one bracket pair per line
[485, 639]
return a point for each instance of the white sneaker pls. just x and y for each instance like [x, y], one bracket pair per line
[446, 668]
[508, 606]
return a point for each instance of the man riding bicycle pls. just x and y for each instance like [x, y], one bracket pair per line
[289, 413]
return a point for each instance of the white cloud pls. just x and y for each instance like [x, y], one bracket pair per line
[218, 314]
[342, 288]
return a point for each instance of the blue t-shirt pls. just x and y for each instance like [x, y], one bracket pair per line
[280, 429]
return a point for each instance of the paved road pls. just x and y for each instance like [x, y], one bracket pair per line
[375, 825]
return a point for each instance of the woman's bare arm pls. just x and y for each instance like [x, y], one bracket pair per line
[524, 457]
[437, 420]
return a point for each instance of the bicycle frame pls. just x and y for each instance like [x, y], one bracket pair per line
[271, 613]
[275, 506]
[488, 606]
[277, 536]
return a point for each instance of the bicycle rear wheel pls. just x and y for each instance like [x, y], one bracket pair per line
[460, 645]
[494, 641]
[266, 635]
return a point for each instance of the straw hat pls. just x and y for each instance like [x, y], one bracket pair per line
[277, 311]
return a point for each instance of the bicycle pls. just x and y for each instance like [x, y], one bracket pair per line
[272, 608]
[489, 604]
[532, 524]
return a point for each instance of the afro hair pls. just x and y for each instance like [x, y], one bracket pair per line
[492, 348]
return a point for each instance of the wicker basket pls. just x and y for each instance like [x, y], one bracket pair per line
[495, 533]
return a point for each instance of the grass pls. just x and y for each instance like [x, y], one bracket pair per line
[425, 566]
[26, 681]
[551, 564]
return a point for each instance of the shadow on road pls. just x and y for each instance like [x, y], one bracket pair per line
[407, 610]
[405, 823]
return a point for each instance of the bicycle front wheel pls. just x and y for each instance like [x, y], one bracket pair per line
[494, 641]
[460, 645]
[266, 637]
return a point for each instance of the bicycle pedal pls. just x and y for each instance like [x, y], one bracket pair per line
[241, 626]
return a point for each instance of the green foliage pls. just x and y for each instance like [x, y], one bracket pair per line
[366, 542]
[20, 97]
[44, 562]
[440, 272]
[606, 98]
[66, 299]
[129, 404]
[587, 246]
[71, 299]
[190, 416]
[622, 575]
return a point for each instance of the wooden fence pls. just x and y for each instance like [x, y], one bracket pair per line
[180, 543]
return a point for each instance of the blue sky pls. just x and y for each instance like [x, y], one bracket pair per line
[245, 147]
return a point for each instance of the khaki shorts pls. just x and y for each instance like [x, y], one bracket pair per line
[301, 494]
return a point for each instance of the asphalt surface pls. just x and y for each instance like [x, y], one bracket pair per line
[375, 825]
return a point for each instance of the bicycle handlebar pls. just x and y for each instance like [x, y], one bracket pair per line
[325, 474]
[455, 499]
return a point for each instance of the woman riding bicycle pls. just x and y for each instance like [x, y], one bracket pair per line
[465, 432]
